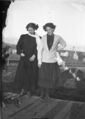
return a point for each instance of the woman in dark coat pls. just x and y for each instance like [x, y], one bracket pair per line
[27, 71]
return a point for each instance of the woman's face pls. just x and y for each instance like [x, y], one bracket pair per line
[49, 30]
[31, 30]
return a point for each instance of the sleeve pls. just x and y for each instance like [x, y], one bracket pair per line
[35, 51]
[40, 50]
[61, 43]
[19, 46]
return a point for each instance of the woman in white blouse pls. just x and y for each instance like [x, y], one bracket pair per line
[49, 68]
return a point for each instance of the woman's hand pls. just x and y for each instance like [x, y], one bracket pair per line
[22, 54]
[39, 65]
[31, 59]
[60, 47]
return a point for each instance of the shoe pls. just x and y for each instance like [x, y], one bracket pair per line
[47, 97]
[22, 92]
[42, 95]
[29, 94]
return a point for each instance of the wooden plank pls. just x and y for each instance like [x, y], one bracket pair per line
[48, 106]
[32, 111]
[56, 109]
[81, 113]
[41, 110]
[27, 103]
[35, 108]
[12, 110]
[64, 111]
[67, 116]
[74, 111]
[28, 110]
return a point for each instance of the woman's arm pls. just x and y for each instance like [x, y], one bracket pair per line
[61, 43]
[19, 46]
[40, 50]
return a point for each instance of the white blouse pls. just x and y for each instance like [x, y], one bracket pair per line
[50, 56]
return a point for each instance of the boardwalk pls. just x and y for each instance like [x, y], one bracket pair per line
[36, 108]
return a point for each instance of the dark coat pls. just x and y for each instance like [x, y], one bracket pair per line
[27, 72]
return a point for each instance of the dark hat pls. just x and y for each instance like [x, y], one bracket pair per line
[51, 25]
[33, 25]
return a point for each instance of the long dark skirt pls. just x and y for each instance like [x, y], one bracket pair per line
[26, 75]
[49, 74]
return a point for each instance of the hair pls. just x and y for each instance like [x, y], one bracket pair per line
[51, 25]
[33, 25]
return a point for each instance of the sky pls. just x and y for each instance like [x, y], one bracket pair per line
[67, 15]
